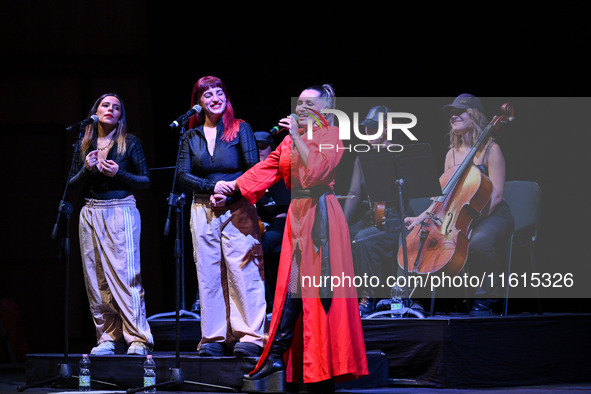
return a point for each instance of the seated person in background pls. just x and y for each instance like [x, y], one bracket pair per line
[492, 232]
[374, 241]
[272, 210]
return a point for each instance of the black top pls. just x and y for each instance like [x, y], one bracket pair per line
[274, 202]
[199, 171]
[133, 173]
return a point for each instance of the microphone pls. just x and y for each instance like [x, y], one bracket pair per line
[277, 129]
[83, 123]
[183, 118]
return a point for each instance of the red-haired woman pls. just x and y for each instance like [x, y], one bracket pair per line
[226, 239]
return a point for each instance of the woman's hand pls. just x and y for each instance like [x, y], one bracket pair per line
[225, 187]
[91, 159]
[290, 124]
[411, 221]
[217, 200]
[109, 168]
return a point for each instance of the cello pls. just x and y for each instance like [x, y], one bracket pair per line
[440, 242]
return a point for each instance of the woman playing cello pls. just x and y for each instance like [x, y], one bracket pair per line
[493, 229]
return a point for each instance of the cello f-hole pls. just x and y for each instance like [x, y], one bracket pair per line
[448, 222]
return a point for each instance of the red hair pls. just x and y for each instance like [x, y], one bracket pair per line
[231, 124]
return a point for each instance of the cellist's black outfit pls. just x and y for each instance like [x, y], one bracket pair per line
[489, 237]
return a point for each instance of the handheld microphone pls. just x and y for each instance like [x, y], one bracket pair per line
[277, 129]
[184, 117]
[83, 123]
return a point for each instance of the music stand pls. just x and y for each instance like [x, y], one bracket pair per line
[401, 176]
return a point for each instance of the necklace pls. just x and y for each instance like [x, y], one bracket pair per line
[105, 147]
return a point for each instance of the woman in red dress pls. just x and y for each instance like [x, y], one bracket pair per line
[315, 333]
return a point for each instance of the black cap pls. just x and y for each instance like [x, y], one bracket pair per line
[464, 101]
[371, 120]
[265, 137]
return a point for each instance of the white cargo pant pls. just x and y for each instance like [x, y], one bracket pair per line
[229, 259]
[110, 245]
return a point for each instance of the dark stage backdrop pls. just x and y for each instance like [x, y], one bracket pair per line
[59, 56]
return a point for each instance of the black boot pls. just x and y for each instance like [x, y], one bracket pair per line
[271, 375]
[483, 307]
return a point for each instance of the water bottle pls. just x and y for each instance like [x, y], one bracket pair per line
[84, 375]
[397, 303]
[149, 374]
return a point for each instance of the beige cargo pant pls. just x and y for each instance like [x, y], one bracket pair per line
[110, 244]
[229, 260]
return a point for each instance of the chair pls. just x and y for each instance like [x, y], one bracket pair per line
[525, 200]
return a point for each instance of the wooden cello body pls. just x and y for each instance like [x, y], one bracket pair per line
[441, 242]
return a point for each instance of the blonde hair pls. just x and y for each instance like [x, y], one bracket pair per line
[478, 123]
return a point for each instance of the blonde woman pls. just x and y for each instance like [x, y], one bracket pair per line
[466, 122]
[110, 165]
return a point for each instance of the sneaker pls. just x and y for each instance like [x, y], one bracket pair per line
[211, 349]
[138, 348]
[103, 349]
[246, 349]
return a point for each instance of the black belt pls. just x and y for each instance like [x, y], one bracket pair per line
[320, 238]
[312, 192]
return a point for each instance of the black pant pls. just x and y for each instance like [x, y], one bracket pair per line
[489, 244]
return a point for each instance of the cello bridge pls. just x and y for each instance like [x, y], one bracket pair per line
[434, 218]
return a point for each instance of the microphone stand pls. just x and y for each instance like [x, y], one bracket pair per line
[177, 201]
[406, 308]
[64, 207]
[406, 303]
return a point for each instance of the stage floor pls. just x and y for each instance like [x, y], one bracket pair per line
[435, 353]
[12, 377]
